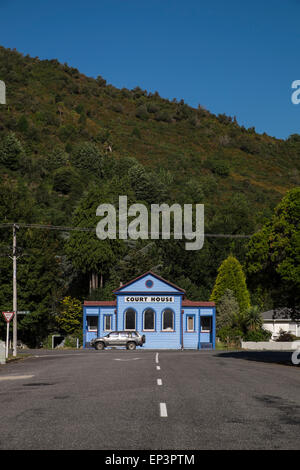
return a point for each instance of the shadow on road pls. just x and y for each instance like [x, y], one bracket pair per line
[275, 357]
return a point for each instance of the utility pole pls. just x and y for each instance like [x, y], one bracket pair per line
[15, 289]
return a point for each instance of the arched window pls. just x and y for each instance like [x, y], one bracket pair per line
[149, 320]
[130, 319]
[168, 320]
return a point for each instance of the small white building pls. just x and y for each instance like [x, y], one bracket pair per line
[276, 320]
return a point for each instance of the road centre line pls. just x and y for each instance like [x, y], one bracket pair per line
[59, 355]
[159, 382]
[156, 358]
[157, 367]
[16, 377]
[126, 360]
[163, 410]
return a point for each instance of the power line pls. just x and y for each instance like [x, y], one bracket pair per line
[88, 229]
[50, 227]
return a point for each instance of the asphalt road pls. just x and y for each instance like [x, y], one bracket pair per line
[155, 400]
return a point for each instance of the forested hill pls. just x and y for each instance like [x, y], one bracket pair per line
[52, 109]
[69, 142]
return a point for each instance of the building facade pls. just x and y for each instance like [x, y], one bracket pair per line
[156, 308]
[277, 321]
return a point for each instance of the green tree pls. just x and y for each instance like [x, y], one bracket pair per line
[227, 310]
[142, 112]
[273, 256]
[23, 124]
[87, 156]
[218, 166]
[39, 281]
[143, 256]
[65, 180]
[11, 151]
[253, 318]
[57, 158]
[192, 291]
[231, 276]
[69, 318]
[147, 185]
[88, 254]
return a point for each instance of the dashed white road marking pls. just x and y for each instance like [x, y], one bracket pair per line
[159, 382]
[16, 377]
[163, 410]
[157, 367]
[131, 359]
[59, 355]
[156, 358]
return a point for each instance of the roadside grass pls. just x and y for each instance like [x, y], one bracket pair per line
[220, 346]
[18, 357]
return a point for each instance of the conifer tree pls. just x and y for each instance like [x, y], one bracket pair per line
[231, 276]
[69, 318]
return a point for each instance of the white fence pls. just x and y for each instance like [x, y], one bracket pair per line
[271, 345]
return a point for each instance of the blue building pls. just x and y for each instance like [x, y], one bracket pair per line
[156, 308]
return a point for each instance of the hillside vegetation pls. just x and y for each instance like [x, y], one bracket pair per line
[52, 108]
[69, 142]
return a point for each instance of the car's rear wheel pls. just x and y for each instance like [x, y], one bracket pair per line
[99, 346]
[131, 346]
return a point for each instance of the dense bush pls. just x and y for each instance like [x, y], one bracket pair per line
[87, 156]
[57, 158]
[152, 108]
[227, 310]
[65, 180]
[71, 340]
[67, 131]
[11, 151]
[142, 112]
[163, 116]
[218, 166]
[285, 336]
[258, 335]
[227, 334]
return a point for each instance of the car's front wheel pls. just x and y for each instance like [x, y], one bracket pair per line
[99, 346]
[131, 346]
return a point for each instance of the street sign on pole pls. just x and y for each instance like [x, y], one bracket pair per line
[8, 317]
[15, 308]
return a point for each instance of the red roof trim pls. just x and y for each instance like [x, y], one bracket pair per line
[196, 303]
[153, 274]
[103, 303]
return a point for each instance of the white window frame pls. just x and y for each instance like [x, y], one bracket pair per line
[187, 323]
[110, 321]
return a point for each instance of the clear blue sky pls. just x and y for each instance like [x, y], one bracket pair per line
[234, 57]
